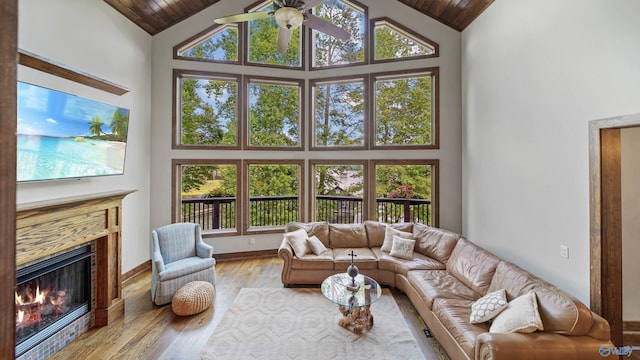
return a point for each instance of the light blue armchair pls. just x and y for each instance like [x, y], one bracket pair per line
[178, 256]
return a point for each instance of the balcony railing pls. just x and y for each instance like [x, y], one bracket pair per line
[219, 213]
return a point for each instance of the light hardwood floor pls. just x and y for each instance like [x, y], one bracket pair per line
[147, 331]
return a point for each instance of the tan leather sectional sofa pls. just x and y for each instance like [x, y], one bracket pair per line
[445, 276]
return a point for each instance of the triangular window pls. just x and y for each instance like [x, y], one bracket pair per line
[217, 44]
[392, 41]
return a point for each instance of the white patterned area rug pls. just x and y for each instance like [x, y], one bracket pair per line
[302, 324]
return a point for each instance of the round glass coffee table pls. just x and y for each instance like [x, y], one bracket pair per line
[353, 302]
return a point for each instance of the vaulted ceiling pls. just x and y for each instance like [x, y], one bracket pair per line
[156, 15]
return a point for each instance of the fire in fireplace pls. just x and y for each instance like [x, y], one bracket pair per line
[50, 295]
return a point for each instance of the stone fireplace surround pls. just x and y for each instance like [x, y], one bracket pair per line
[48, 228]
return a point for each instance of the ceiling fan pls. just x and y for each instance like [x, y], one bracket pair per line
[290, 14]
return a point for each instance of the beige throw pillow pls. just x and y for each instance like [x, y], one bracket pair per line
[488, 306]
[298, 241]
[402, 248]
[521, 315]
[388, 237]
[316, 245]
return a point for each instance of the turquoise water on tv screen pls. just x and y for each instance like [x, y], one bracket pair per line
[48, 157]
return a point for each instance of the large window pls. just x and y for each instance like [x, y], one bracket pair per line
[206, 109]
[339, 112]
[268, 124]
[405, 111]
[275, 109]
[274, 189]
[339, 191]
[406, 191]
[208, 194]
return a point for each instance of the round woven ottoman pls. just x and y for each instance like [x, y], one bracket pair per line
[193, 298]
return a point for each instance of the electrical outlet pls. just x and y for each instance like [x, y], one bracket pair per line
[252, 241]
[564, 251]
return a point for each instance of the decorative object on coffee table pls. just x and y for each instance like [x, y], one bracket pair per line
[193, 298]
[352, 270]
[355, 306]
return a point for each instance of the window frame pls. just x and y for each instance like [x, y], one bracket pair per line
[203, 35]
[435, 184]
[176, 130]
[366, 43]
[366, 112]
[365, 184]
[247, 43]
[246, 228]
[176, 198]
[407, 32]
[435, 103]
[246, 103]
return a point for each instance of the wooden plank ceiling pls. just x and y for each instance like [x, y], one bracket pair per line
[156, 15]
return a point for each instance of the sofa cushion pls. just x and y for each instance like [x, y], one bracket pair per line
[472, 265]
[322, 261]
[366, 259]
[402, 266]
[376, 230]
[488, 306]
[434, 284]
[297, 239]
[521, 315]
[454, 314]
[402, 248]
[347, 236]
[434, 242]
[319, 229]
[317, 247]
[560, 312]
[389, 233]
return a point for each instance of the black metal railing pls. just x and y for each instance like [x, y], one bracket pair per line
[272, 210]
[339, 209]
[219, 213]
[395, 210]
[210, 213]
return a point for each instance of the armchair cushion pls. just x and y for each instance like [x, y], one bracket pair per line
[184, 267]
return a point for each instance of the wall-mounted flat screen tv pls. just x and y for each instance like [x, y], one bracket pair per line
[63, 136]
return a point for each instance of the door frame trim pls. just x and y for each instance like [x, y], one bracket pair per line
[605, 218]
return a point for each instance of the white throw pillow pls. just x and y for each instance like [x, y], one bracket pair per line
[402, 248]
[388, 237]
[316, 245]
[488, 306]
[298, 241]
[521, 315]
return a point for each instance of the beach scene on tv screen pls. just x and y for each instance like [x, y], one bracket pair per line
[63, 136]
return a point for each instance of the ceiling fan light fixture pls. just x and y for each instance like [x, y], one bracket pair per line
[289, 17]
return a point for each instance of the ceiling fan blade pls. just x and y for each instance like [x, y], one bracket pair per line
[308, 4]
[284, 37]
[326, 27]
[243, 17]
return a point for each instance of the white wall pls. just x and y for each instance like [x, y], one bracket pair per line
[534, 73]
[92, 37]
[630, 161]
[450, 121]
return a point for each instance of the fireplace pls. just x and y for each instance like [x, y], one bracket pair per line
[50, 295]
[86, 232]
